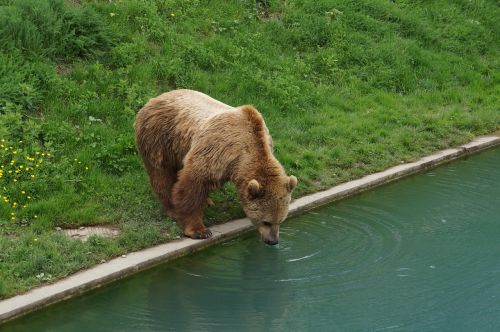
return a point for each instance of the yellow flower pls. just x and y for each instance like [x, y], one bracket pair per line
[35, 239]
[15, 180]
[23, 192]
[36, 216]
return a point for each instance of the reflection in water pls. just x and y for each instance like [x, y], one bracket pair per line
[421, 254]
[202, 292]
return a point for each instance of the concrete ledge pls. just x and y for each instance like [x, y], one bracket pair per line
[122, 267]
[391, 174]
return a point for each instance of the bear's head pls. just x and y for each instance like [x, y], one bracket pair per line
[265, 202]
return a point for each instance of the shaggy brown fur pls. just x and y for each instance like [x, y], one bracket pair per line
[191, 144]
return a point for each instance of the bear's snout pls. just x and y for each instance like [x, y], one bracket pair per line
[271, 242]
[270, 234]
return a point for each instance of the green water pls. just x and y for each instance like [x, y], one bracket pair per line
[422, 254]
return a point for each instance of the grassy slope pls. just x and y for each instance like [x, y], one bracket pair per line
[346, 88]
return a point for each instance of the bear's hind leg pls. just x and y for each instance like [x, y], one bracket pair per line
[162, 181]
[189, 197]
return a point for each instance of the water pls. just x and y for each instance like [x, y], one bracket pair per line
[422, 254]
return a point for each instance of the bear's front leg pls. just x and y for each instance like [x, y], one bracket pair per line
[194, 228]
[189, 197]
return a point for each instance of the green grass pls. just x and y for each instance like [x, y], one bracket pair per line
[346, 88]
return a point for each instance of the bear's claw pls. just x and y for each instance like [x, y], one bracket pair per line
[202, 234]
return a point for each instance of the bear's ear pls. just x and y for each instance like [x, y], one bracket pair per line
[254, 188]
[292, 183]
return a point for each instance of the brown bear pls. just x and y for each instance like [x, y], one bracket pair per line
[191, 144]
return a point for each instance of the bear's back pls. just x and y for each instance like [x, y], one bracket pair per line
[166, 125]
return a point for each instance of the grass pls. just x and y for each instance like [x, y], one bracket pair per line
[346, 87]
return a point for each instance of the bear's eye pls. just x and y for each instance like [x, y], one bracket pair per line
[267, 224]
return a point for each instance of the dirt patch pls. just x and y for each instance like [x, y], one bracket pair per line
[63, 70]
[83, 233]
[263, 10]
